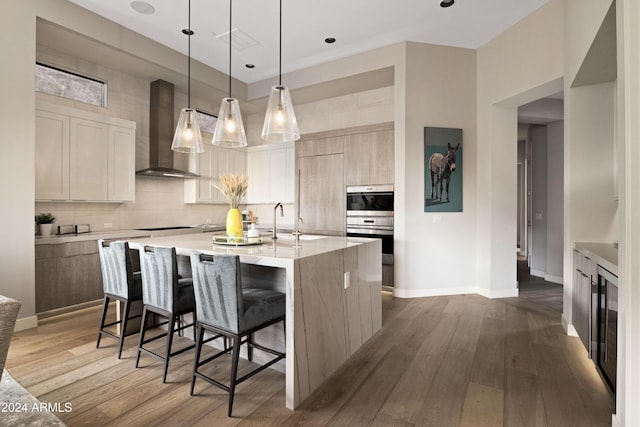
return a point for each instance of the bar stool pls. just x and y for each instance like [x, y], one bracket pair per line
[165, 295]
[120, 283]
[224, 307]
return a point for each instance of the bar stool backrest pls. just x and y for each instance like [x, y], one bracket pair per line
[159, 269]
[115, 263]
[218, 290]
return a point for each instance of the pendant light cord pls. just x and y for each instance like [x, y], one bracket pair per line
[280, 51]
[189, 32]
[230, 31]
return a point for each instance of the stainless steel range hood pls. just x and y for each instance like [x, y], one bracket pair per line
[161, 130]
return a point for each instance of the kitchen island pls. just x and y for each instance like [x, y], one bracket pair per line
[333, 291]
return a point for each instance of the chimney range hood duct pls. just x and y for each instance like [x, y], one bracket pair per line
[161, 130]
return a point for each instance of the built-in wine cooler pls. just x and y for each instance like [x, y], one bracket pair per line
[606, 322]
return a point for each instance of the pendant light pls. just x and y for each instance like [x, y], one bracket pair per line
[229, 131]
[187, 138]
[280, 122]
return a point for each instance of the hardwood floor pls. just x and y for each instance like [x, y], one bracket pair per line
[443, 361]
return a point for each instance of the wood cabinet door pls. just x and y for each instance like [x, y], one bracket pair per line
[88, 161]
[381, 164]
[357, 157]
[51, 156]
[322, 194]
[122, 163]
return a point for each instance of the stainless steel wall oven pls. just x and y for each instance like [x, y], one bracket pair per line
[370, 214]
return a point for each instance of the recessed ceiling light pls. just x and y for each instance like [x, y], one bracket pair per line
[142, 7]
[446, 3]
[330, 40]
[250, 66]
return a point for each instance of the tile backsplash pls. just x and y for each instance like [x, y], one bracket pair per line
[159, 203]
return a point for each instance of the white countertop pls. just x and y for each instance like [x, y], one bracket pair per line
[604, 254]
[67, 238]
[284, 248]
[126, 234]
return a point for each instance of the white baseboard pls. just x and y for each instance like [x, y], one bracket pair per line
[419, 293]
[553, 279]
[568, 327]
[26, 323]
[615, 421]
[537, 273]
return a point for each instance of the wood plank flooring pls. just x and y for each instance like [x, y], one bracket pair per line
[442, 361]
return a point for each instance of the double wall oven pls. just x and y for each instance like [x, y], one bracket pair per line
[370, 214]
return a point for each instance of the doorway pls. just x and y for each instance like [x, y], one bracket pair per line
[540, 184]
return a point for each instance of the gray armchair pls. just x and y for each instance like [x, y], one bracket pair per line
[8, 314]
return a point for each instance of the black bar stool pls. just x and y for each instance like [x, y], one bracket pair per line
[120, 283]
[165, 295]
[225, 308]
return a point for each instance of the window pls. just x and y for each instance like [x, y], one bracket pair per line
[207, 122]
[69, 85]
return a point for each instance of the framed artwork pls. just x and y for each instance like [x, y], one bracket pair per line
[442, 169]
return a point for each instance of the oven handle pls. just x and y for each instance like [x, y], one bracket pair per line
[372, 231]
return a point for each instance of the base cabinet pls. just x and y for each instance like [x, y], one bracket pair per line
[67, 274]
[581, 299]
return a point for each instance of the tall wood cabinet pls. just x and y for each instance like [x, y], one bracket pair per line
[83, 156]
[368, 158]
[329, 161]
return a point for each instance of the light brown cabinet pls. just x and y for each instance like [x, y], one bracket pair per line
[329, 161]
[369, 158]
[322, 197]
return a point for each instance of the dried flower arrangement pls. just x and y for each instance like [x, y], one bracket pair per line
[234, 187]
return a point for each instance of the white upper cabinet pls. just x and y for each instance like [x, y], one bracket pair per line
[271, 170]
[52, 156]
[122, 160]
[88, 167]
[208, 166]
[83, 156]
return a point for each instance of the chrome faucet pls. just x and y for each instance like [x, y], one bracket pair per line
[275, 208]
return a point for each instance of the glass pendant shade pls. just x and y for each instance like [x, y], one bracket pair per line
[229, 131]
[280, 124]
[187, 138]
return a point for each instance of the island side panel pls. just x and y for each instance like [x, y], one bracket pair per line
[331, 322]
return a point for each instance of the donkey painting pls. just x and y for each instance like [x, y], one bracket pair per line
[441, 166]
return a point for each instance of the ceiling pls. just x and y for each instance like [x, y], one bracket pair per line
[357, 26]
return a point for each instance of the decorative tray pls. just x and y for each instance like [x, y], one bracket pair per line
[238, 241]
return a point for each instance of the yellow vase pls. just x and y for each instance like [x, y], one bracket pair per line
[234, 224]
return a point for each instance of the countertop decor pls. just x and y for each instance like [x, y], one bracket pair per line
[233, 187]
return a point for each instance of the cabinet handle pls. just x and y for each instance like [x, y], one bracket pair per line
[606, 323]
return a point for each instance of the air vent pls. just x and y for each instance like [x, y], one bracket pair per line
[239, 40]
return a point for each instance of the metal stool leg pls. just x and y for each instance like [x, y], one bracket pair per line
[167, 353]
[142, 330]
[123, 325]
[105, 307]
[234, 370]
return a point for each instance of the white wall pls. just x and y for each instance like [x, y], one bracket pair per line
[17, 141]
[436, 246]
[509, 76]
[555, 202]
[628, 111]
[539, 201]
